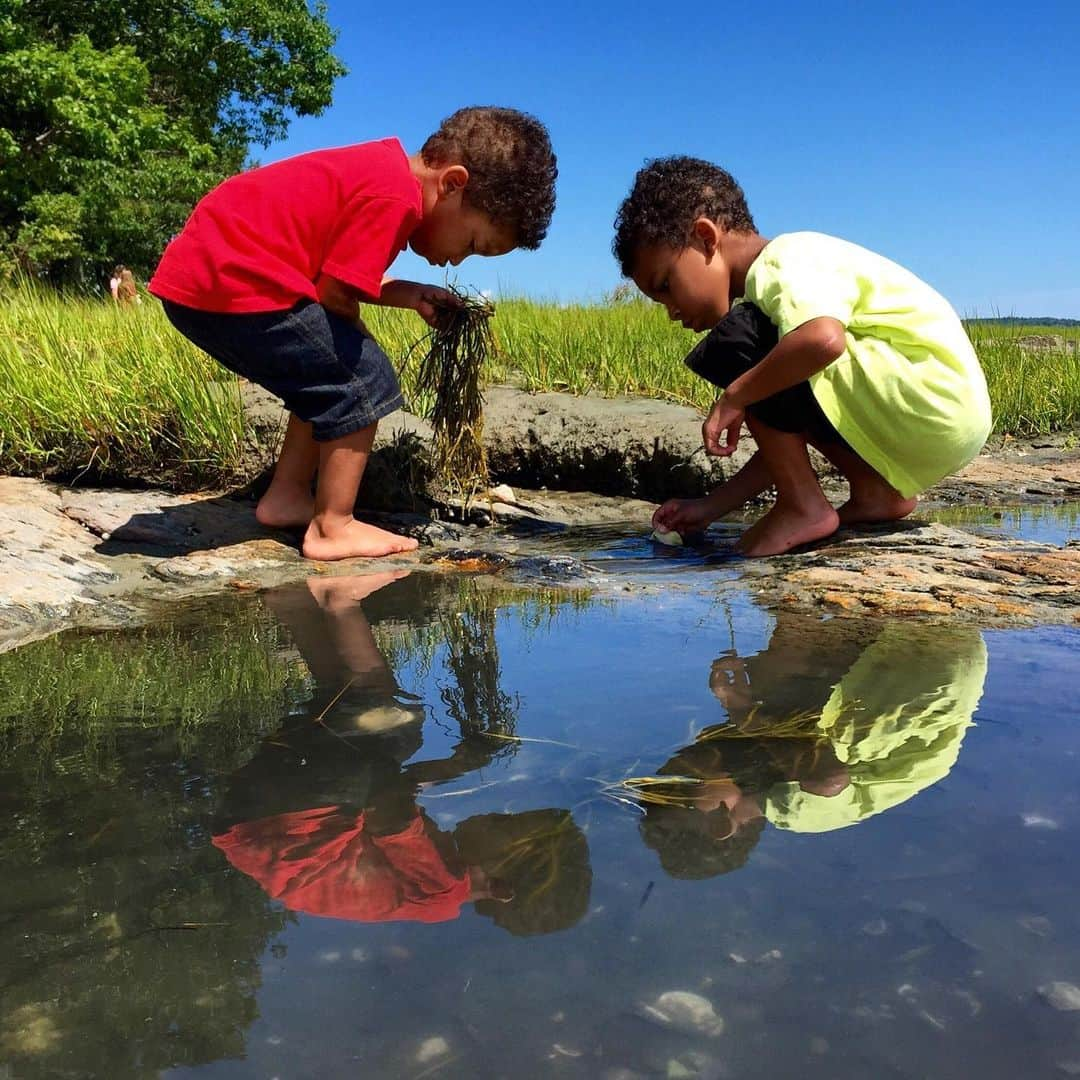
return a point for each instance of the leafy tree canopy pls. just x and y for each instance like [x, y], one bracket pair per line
[116, 116]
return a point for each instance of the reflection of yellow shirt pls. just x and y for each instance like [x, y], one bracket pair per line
[896, 719]
[908, 394]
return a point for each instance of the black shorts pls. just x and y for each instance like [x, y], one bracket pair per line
[739, 341]
[324, 368]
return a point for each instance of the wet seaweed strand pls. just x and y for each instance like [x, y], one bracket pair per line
[450, 372]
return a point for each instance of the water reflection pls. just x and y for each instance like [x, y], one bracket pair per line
[828, 725]
[326, 817]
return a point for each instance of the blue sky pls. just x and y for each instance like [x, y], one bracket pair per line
[943, 135]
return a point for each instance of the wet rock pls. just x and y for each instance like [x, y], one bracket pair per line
[221, 564]
[30, 1030]
[1038, 925]
[693, 1065]
[1063, 996]
[683, 1011]
[431, 1050]
[420, 527]
[553, 570]
[917, 569]
[473, 560]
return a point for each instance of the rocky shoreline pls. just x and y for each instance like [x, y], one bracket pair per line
[89, 557]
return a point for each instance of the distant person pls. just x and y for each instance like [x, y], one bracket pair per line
[122, 287]
[832, 347]
[268, 274]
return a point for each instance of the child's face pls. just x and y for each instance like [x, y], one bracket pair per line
[693, 282]
[453, 230]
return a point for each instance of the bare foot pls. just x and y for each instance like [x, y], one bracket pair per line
[352, 539]
[785, 527]
[340, 593]
[884, 506]
[285, 509]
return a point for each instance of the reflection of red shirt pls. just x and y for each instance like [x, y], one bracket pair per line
[258, 241]
[322, 862]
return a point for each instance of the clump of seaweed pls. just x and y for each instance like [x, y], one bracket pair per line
[450, 375]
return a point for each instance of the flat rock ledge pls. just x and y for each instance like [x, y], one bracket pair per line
[110, 558]
[927, 570]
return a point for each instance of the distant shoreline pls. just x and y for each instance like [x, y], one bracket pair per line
[1024, 320]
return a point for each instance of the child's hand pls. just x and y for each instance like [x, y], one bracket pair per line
[427, 301]
[723, 419]
[683, 516]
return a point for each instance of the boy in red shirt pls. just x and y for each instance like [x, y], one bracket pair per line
[268, 274]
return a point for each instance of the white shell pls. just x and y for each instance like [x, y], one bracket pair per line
[672, 539]
[683, 1011]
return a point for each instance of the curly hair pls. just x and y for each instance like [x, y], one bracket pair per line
[512, 168]
[686, 851]
[668, 196]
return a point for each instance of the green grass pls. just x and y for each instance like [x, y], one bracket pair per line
[1033, 392]
[86, 388]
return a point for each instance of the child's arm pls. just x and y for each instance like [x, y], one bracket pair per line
[694, 515]
[343, 300]
[804, 352]
[425, 300]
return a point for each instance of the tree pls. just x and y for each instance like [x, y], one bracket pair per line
[116, 117]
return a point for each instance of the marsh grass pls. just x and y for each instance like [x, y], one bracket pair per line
[1034, 391]
[451, 374]
[86, 388]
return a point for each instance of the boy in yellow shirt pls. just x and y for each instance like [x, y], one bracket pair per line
[871, 365]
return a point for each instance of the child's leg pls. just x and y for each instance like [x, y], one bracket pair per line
[334, 533]
[872, 497]
[288, 502]
[801, 513]
[696, 515]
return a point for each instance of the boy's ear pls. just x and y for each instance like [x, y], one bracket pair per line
[706, 235]
[452, 179]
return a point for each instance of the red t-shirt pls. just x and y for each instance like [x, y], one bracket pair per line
[323, 862]
[258, 241]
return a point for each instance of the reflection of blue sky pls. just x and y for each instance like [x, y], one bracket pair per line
[950, 874]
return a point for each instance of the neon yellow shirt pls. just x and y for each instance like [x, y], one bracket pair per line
[896, 720]
[908, 394]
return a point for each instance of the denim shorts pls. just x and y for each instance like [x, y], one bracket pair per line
[737, 343]
[324, 368]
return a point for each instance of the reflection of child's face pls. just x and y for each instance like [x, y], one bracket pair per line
[712, 794]
[485, 887]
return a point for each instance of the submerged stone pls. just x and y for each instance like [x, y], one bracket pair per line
[683, 1011]
[1063, 996]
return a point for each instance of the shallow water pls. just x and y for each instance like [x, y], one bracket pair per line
[382, 827]
[1041, 524]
